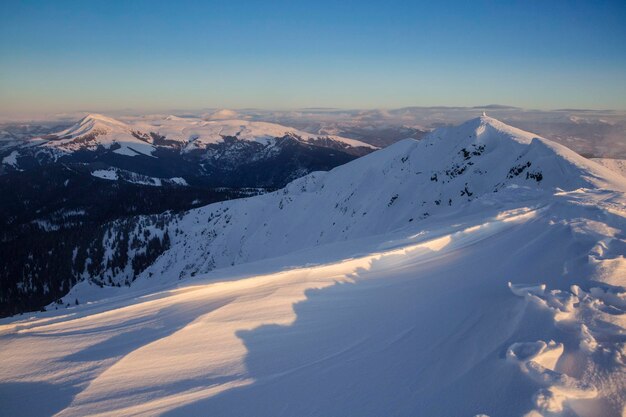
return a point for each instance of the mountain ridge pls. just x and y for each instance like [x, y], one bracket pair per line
[186, 131]
[479, 162]
[221, 153]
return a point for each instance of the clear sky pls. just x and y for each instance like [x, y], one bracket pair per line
[61, 55]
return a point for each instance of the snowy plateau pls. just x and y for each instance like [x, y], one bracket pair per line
[478, 271]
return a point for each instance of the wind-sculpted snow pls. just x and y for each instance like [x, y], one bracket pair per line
[597, 320]
[592, 324]
[423, 325]
[361, 291]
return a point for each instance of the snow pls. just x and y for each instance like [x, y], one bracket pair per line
[593, 316]
[115, 174]
[11, 159]
[105, 174]
[481, 161]
[178, 180]
[45, 225]
[346, 299]
[198, 133]
[126, 150]
[616, 165]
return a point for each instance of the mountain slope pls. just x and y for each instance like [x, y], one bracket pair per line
[48, 214]
[361, 291]
[616, 165]
[379, 193]
[94, 131]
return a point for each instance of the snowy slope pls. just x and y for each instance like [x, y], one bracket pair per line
[430, 328]
[379, 193]
[114, 174]
[356, 293]
[10, 159]
[617, 165]
[96, 130]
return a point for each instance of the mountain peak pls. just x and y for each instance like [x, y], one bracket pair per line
[95, 123]
[96, 130]
[484, 120]
[483, 129]
[99, 119]
[486, 145]
[95, 116]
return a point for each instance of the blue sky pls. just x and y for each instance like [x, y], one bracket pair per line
[103, 55]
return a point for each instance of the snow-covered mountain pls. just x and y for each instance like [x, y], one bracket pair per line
[221, 152]
[96, 131]
[142, 136]
[479, 271]
[198, 134]
[385, 191]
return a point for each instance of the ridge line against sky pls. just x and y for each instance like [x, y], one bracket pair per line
[67, 56]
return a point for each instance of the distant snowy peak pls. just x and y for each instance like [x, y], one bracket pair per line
[141, 136]
[93, 125]
[93, 122]
[96, 131]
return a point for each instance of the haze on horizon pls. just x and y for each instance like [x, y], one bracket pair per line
[102, 55]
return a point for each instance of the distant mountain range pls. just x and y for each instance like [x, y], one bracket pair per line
[234, 153]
